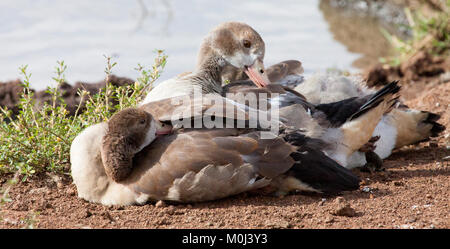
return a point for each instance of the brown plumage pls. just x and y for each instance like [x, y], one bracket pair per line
[231, 44]
[127, 131]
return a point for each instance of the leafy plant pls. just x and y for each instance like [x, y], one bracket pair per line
[38, 139]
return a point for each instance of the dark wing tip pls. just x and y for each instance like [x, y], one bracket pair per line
[323, 173]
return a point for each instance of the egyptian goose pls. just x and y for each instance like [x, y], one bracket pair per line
[193, 165]
[348, 124]
[402, 126]
[232, 44]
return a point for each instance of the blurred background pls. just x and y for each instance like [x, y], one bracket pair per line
[326, 34]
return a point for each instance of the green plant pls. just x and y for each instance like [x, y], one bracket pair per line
[429, 34]
[38, 139]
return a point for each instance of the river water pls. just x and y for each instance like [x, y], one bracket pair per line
[40, 32]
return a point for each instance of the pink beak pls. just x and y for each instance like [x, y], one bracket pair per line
[257, 74]
[163, 129]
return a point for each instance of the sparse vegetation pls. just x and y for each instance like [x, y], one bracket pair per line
[38, 139]
[429, 34]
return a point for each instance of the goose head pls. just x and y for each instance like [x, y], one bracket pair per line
[238, 45]
[128, 132]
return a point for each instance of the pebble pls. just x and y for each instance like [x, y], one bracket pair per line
[87, 214]
[160, 203]
[339, 200]
[398, 183]
[329, 219]
[70, 192]
[406, 226]
[411, 220]
[345, 210]
[38, 190]
[366, 189]
[277, 223]
[170, 210]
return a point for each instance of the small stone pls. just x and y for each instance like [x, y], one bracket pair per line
[38, 190]
[406, 226]
[87, 214]
[397, 183]
[108, 216]
[339, 200]
[366, 189]
[345, 210]
[277, 223]
[170, 210]
[411, 220]
[160, 203]
[329, 219]
[428, 196]
[70, 192]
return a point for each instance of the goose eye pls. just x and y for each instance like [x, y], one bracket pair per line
[261, 71]
[247, 43]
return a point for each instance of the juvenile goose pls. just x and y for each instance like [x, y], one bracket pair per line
[402, 126]
[194, 164]
[129, 131]
[231, 44]
[348, 124]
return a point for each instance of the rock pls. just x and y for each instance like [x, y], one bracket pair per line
[398, 183]
[71, 192]
[278, 223]
[329, 219]
[345, 210]
[170, 210]
[38, 190]
[160, 203]
[87, 214]
[339, 200]
[366, 189]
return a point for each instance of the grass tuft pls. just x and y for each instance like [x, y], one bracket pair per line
[429, 34]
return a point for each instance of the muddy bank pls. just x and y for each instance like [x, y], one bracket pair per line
[422, 68]
[10, 93]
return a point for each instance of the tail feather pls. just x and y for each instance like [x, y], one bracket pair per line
[432, 119]
[414, 126]
[377, 98]
[314, 171]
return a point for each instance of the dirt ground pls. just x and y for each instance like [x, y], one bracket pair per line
[412, 192]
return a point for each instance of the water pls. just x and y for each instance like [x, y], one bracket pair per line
[40, 32]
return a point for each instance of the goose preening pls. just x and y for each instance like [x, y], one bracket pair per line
[231, 44]
[112, 164]
[200, 164]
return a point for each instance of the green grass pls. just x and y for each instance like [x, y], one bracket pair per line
[38, 139]
[429, 34]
